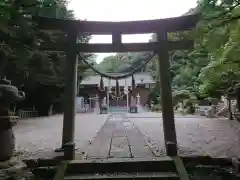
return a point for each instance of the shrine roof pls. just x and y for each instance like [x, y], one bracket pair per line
[140, 78]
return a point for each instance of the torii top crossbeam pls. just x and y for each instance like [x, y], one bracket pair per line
[127, 27]
[116, 29]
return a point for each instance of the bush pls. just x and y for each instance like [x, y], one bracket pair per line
[156, 108]
[189, 106]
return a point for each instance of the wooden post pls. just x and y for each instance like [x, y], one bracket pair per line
[166, 97]
[116, 38]
[70, 97]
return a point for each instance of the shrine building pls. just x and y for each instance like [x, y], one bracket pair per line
[117, 93]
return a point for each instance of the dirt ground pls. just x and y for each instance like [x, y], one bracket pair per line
[38, 137]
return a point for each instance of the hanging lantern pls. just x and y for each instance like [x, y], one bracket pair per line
[117, 88]
[101, 88]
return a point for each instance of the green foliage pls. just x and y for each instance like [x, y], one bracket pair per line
[211, 69]
[121, 62]
[41, 74]
[156, 108]
[220, 34]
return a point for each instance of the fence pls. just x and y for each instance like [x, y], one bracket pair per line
[27, 113]
[21, 113]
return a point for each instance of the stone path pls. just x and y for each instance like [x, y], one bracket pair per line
[118, 138]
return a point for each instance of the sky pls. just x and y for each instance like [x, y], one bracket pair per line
[127, 10]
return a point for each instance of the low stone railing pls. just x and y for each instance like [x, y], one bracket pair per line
[20, 114]
[27, 113]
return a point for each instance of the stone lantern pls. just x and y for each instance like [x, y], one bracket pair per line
[133, 106]
[8, 95]
[102, 93]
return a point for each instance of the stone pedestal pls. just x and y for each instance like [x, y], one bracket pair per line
[69, 151]
[103, 110]
[236, 164]
[7, 142]
[14, 169]
[171, 148]
[133, 109]
[7, 139]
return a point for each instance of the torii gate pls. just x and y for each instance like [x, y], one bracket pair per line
[161, 27]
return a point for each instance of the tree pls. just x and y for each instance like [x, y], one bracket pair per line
[41, 74]
[220, 34]
[212, 67]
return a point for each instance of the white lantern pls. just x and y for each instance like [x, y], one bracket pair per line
[138, 99]
[125, 89]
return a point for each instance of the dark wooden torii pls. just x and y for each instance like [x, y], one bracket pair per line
[161, 27]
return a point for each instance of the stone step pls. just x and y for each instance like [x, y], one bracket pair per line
[164, 164]
[47, 169]
[111, 166]
[125, 176]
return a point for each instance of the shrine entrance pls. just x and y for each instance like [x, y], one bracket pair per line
[118, 103]
[160, 48]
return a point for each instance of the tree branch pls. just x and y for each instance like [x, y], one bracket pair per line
[219, 16]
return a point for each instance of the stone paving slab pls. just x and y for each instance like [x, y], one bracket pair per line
[99, 148]
[126, 140]
[120, 147]
[139, 147]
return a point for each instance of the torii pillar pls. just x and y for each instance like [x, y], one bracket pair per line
[68, 142]
[166, 97]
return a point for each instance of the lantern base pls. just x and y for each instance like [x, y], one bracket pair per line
[7, 138]
[103, 110]
[133, 109]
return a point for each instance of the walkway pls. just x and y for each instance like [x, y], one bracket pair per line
[119, 138]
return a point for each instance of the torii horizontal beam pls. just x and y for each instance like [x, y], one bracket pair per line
[127, 27]
[123, 47]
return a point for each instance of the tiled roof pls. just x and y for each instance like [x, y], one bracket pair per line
[140, 78]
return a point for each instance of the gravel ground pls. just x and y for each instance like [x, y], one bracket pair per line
[196, 135]
[38, 137]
